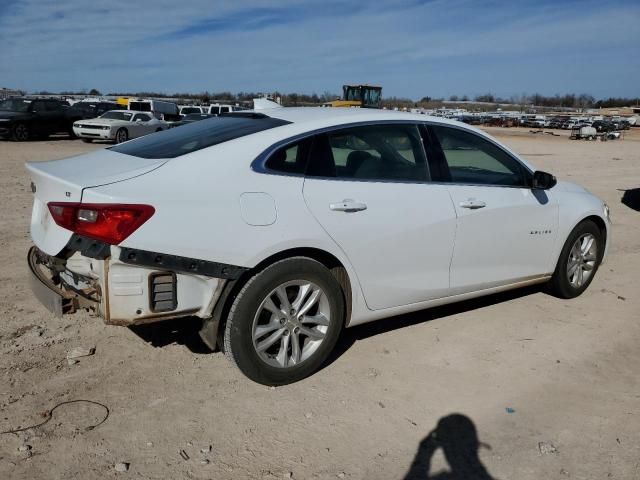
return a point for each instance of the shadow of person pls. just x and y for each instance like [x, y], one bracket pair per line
[631, 198]
[456, 435]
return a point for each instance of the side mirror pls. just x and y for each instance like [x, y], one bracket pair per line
[543, 180]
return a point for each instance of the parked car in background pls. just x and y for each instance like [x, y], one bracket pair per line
[603, 126]
[83, 110]
[192, 117]
[118, 125]
[188, 109]
[23, 118]
[219, 109]
[162, 110]
[280, 228]
[86, 110]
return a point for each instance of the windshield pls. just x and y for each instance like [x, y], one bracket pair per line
[117, 115]
[15, 105]
[196, 135]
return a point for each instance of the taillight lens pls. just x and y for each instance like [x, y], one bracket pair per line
[109, 223]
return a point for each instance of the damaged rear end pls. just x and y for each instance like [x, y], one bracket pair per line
[79, 260]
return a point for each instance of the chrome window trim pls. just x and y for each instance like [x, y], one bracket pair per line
[491, 141]
[258, 165]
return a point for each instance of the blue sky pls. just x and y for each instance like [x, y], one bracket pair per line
[412, 48]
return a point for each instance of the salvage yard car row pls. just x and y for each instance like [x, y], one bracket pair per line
[25, 118]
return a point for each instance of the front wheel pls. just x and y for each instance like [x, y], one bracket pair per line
[20, 132]
[579, 261]
[87, 140]
[122, 135]
[285, 321]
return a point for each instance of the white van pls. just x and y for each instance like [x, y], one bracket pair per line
[160, 109]
[187, 109]
[219, 108]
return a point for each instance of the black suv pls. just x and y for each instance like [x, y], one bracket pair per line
[86, 110]
[603, 126]
[26, 118]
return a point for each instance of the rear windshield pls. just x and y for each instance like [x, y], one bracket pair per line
[140, 106]
[197, 135]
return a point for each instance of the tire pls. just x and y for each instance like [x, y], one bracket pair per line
[87, 140]
[122, 135]
[20, 132]
[72, 135]
[574, 264]
[315, 331]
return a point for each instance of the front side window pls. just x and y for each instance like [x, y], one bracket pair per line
[141, 117]
[472, 159]
[376, 152]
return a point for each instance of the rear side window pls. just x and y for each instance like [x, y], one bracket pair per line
[196, 136]
[376, 152]
[291, 158]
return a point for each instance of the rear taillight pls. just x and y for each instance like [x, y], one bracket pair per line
[109, 223]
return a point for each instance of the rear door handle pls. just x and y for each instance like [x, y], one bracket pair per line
[472, 204]
[348, 205]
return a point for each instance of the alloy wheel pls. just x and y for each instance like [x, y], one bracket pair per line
[291, 323]
[582, 260]
[21, 132]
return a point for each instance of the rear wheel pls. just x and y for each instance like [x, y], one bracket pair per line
[285, 322]
[578, 262]
[20, 132]
[122, 135]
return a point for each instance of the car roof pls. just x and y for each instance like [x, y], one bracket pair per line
[310, 116]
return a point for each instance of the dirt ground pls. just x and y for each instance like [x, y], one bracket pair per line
[542, 388]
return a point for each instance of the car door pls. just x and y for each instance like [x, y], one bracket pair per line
[42, 119]
[505, 230]
[368, 188]
[139, 125]
[58, 120]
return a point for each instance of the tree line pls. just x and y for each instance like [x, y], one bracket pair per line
[568, 100]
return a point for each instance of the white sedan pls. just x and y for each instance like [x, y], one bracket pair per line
[118, 126]
[280, 228]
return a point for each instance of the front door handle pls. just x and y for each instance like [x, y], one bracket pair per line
[472, 204]
[348, 205]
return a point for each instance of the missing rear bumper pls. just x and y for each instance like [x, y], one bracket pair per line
[47, 287]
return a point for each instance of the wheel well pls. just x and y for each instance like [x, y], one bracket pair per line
[602, 226]
[328, 260]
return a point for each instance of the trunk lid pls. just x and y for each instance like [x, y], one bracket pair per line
[64, 181]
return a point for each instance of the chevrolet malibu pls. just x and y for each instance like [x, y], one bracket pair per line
[280, 228]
